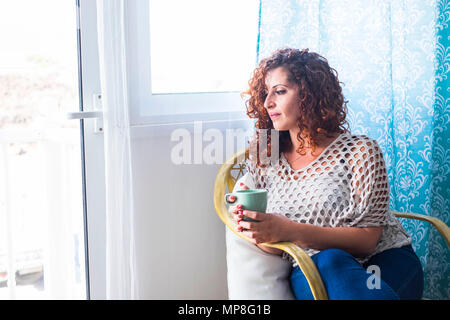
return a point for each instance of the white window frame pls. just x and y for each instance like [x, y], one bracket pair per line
[148, 108]
[94, 153]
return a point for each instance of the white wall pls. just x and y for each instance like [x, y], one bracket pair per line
[180, 239]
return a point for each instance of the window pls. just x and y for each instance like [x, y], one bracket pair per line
[42, 244]
[202, 45]
[188, 59]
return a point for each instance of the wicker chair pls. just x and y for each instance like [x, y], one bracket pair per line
[234, 168]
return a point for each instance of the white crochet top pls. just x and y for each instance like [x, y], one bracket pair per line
[346, 186]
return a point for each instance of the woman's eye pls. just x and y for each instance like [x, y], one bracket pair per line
[280, 92]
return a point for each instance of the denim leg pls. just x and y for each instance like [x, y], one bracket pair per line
[343, 276]
[299, 285]
[402, 270]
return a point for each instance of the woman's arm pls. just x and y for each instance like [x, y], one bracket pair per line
[359, 242]
[275, 228]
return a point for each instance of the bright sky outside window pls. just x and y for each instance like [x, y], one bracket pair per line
[202, 45]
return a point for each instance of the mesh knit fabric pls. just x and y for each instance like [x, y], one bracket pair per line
[346, 186]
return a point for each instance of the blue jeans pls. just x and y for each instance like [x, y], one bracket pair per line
[346, 279]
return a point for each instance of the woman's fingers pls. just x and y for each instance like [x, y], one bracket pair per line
[255, 215]
[238, 216]
[237, 212]
[252, 236]
[246, 225]
[243, 186]
[235, 209]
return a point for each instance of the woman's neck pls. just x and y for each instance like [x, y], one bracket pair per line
[323, 141]
[293, 133]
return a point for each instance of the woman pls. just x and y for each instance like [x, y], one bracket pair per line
[328, 193]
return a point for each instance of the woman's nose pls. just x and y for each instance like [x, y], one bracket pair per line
[269, 103]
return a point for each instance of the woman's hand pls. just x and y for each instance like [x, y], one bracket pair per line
[270, 227]
[238, 214]
[238, 208]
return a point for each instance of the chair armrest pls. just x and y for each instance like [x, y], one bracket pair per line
[306, 264]
[304, 261]
[437, 223]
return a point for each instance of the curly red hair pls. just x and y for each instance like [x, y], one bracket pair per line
[322, 106]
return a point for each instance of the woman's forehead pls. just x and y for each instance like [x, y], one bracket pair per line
[277, 76]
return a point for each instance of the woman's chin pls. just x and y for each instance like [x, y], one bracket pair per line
[279, 126]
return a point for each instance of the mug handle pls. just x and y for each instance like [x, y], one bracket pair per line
[226, 197]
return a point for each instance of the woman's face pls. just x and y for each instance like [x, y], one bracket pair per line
[282, 101]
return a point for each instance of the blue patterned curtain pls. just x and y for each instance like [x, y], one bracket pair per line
[393, 58]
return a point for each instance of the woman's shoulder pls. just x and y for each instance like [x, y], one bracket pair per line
[359, 143]
[362, 151]
[351, 137]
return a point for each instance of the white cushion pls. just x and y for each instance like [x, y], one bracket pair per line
[252, 273]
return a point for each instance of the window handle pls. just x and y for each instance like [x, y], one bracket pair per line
[97, 115]
[85, 115]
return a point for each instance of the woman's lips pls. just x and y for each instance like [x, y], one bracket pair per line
[274, 115]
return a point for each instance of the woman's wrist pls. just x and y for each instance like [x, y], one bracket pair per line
[295, 233]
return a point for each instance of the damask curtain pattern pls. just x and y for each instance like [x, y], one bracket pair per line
[393, 59]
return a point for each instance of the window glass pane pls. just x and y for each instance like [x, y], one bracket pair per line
[202, 45]
[41, 211]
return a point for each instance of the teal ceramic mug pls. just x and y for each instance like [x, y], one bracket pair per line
[250, 199]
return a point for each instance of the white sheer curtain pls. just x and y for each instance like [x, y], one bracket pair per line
[121, 276]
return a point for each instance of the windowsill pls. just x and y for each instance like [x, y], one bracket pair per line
[188, 118]
[165, 125]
